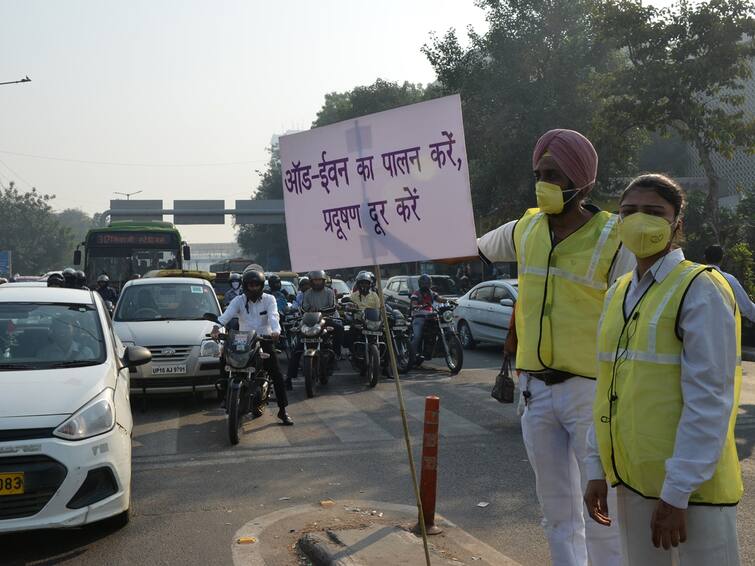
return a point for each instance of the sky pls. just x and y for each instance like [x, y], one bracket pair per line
[179, 99]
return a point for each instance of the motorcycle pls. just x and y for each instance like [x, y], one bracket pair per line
[289, 340]
[400, 334]
[317, 337]
[368, 346]
[439, 338]
[247, 383]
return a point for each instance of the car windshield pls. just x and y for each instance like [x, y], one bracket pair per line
[340, 287]
[45, 336]
[166, 301]
[122, 263]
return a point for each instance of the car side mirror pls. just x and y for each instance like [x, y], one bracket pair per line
[136, 356]
[507, 303]
[403, 293]
[77, 257]
[187, 252]
[211, 316]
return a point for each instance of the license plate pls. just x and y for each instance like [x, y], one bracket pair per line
[168, 370]
[372, 332]
[12, 484]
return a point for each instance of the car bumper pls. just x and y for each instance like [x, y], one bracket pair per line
[67, 484]
[201, 375]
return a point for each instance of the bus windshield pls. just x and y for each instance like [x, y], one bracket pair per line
[121, 264]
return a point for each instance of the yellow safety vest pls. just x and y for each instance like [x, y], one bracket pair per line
[638, 400]
[561, 290]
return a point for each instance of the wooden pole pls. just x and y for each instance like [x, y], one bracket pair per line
[402, 409]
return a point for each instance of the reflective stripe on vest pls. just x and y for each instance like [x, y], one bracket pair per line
[561, 290]
[638, 399]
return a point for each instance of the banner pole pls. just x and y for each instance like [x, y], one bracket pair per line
[407, 439]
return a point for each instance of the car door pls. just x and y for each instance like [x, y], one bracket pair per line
[502, 305]
[479, 315]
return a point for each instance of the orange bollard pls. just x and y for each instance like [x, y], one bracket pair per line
[429, 476]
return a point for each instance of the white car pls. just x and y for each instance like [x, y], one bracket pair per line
[65, 417]
[165, 315]
[484, 312]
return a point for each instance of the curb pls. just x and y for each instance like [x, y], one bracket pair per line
[321, 556]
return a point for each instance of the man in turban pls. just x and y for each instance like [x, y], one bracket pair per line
[568, 253]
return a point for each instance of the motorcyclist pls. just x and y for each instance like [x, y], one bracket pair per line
[421, 303]
[69, 277]
[80, 280]
[318, 298]
[257, 311]
[234, 291]
[276, 290]
[105, 290]
[364, 297]
[304, 286]
[56, 280]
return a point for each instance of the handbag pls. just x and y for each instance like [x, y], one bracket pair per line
[503, 390]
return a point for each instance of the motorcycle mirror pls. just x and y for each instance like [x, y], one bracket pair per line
[212, 317]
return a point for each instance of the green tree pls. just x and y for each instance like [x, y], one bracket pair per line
[687, 67]
[535, 69]
[78, 223]
[31, 231]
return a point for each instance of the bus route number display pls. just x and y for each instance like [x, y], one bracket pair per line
[115, 239]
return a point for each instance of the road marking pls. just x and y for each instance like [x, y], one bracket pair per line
[345, 420]
[158, 436]
[451, 424]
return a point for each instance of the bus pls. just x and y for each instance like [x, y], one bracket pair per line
[128, 247]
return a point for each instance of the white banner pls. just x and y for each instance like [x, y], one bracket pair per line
[384, 188]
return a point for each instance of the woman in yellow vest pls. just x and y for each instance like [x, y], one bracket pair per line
[667, 395]
[568, 253]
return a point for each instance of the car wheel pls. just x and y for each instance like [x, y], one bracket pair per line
[465, 333]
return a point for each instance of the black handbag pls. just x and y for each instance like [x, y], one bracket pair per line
[503, 390]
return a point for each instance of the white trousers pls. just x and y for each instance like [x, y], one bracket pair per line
[711, 534]
[554, 426]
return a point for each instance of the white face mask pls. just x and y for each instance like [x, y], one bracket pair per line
[235, 284]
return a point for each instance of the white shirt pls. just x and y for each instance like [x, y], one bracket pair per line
[709, 357]
[498, 245]
[262, 317]
[745, 304]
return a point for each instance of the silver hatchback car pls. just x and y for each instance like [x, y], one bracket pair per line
[164, 314]
[484, 312]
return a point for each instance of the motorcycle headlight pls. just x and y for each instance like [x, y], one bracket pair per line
[310, 330]
[209, 348]
[448, 316]
[96, 417]
[374, 324]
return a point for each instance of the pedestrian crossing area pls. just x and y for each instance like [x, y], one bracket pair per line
[345, 415]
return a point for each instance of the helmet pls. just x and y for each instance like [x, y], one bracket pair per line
[69, 276]
[304, 281]
[3, 280]
[235, 277]
[253, 276]
[135, 276]
[364, 276]
[55, 280]
[103, 279]
[424, 281]
[275, 282]
[81, 278]
[317, 278]
[364, 281]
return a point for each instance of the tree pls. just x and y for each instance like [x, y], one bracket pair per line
[31, 231]
[535, 69]
[687, 68]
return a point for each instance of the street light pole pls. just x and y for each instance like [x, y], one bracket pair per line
[26, 79]
[127, 195]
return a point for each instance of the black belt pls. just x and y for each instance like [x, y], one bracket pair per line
[552, 376]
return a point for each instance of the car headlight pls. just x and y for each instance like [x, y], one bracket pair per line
[96, 417]
[209, 349]
[448, 316]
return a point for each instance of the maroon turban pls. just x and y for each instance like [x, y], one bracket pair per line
[573, 153]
